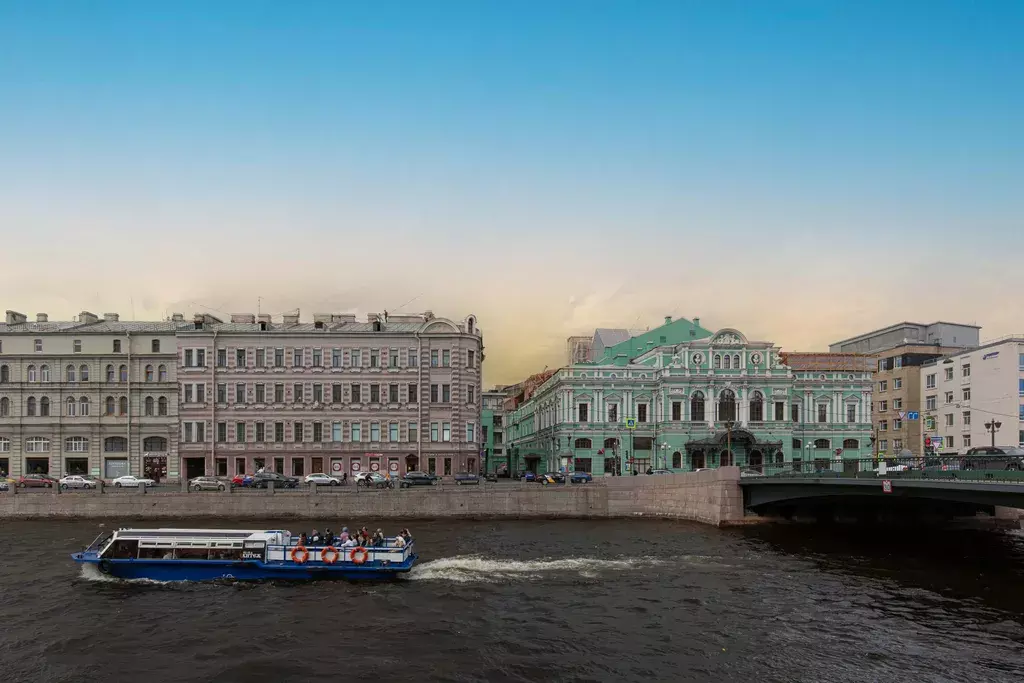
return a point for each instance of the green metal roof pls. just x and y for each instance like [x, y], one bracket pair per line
[675, 332]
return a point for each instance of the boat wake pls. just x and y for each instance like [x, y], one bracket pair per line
[467, 569]
[90, 572]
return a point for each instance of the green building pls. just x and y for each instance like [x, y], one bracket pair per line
[681, 397]
[492, 434]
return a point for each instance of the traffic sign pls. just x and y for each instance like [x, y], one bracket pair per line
[927, 441]
[913, 415]
[886, 486]
[902, 414]
[630, 423]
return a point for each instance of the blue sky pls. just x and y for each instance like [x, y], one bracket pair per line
[799, 170]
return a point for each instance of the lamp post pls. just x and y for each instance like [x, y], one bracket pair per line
[664, 456]
[993, 427]
[728, 439]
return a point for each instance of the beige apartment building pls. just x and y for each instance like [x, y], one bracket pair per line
[394, 393]
[87, 396]
[901, 350]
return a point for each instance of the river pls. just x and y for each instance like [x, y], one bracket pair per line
[618, 601]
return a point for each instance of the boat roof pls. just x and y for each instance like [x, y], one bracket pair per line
[185, 533]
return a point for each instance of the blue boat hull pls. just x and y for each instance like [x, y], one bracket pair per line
[212, 570]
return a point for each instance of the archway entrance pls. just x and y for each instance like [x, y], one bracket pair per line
[697, 460]
[533, 464]
[412, 463]
[725, 459]
[755, 461]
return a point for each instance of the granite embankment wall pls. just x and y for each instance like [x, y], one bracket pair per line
[713, 497]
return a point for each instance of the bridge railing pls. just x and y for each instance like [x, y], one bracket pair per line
[1002, 467]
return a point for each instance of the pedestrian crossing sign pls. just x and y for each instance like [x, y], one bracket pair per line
[630, 423]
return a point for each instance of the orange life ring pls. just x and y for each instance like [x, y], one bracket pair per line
[300, 554]
[333, 555]
[359, 555]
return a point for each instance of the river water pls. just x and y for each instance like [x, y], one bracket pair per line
[627, 600]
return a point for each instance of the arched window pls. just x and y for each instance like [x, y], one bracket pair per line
[725, 459]
[697, 407]
[115, 444]
[44, 373]
[728, 362]
[72, 406]
[850, 444]
[30, 373]
[30, 406]
[37, 444]
[583, 443]
[69, 373]
[123, 373]
[154, 444]
[611, 443]
[161, 406]
[162, 373]
[111, 405]
[718, 362]
[736, 361]
[83, 373]
[727, 406]
[110, 373]
[5, 444]
[83, 406]
[76, 444]
[44, 407]
[5, 407]
[677, 460]
[757, 407]
[821, 443]
[797, 445]
[124, 405]
[5, 374]
[149, 406]
[149, 373]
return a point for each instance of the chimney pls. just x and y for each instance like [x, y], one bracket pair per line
[178, 317]
[428, 315]
[668, 319]
[343, 318]
[111, 317]
[321, 317]
[264, 319]
[243, 318]
[371, 317]
[291, 318]
[696, 322]
[15, 318]
[42, 318]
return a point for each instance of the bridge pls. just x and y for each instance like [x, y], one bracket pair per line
[939, 488]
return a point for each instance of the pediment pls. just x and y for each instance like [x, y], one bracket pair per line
[440, 326]
[728, 338]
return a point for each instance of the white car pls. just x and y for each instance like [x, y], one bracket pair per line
[131, 481]
[75, 481]
[321, 479]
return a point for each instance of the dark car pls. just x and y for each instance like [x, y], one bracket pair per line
[558, 477]
[528, 476]
[994, 458]
[581, 478]
[491, 476]
[466, 478]
[417, 479]
[263, 479]
[29, 481]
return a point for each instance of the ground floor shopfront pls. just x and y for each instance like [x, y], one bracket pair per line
[334, 464]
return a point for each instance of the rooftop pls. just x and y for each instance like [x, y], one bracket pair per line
[896, 326]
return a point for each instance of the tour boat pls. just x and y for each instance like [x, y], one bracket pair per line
[208, 554]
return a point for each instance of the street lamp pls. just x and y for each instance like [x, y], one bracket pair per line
[993, 427]
[664, 456]
[728, 440]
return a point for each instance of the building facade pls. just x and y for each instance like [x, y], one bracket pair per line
[492, 431]
[974, 398]
[87, 396]
[950, 335]
[681, 397]
[393, 393]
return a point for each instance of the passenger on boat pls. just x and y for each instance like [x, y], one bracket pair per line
[378, 539]
[399, 541]
[302, 539]
[314, 537]
[349, 543]
[404, 533]
[344, 534]
[328, 537]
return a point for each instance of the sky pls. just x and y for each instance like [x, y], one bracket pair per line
[800, 170]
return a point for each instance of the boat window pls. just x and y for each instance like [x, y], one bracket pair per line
[226, 554]
[156, 553]
[191, 553]
[122, 550]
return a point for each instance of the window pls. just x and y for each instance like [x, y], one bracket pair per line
[222, 393]
[949, 441]
[298, 393]
[222, 432]
[374, 393]
[297, 358]
[470, 432]
[318, 393]
[195, 358]
[822, 412]
[949, 419]
[413, 429]
[471, 394]
[5, 374]
[883, 406]
[851, 412]
[278, 393]
[677, 410]
[122, 373]
[641, 412]
[154, 346]
[446, 393]
[261, 393]
[897, 404]
[336, 393]
[240, 432]
[883, 385]
[446, 358]
[71, 407]
[357, 431]
[967, 418]
[1020, 387]
[374, 359]
[240, 360]
[582, 411]
[336, 431]
[37, 444]
[162, 373]
[30, 373]
[929, 381]
[76, 345]
[374, 432]
[117, 346]
[279, 432]
[115, 444]
[161, 406]
[433, 431]
[44, 407]
[727, 406]
[69, 373]
[967, 393]
[222, 358]
[414, 393]
[149, 406]
[261, 358]
[111, 405]
[897, 424]
[728, 362]
[261, 432]
[393, 358]
[149, 376]
[298, 432]
[434, 358]
[930, 402]
[239, 393]
[194, 432]
[757, 407]
[318, 358]
[412, 358]
[393, 432]
[278, 358]
[965, 371]
[76, 444]
[433, 393]
[897, 362]
[949, 374]
[38, 345]
[336, 357]
[392, 393]
[123, 405]
[5, 406]
[883, 426]
[897, 383]
[446, 431]
[613, 412]
[471, 359]
[822, 443]
[966, 440]
[883, 445]
[318, 431]
[949, 397]
[929, 423]
[1020, 364]
[357, 358]
[356, 398]
[697, 407]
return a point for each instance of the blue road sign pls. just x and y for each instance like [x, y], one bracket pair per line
[630, 423]
[913, 415]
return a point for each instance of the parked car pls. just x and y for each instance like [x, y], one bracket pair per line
[4, 486]
[580, 478]
[261, 480]
[994, 458]
[417, 479]
[36, 481]
[321, 479]
[528, 476]
[750, 472]
[653, 472]
[466, 478]
[76, 481]
[207, 484]
[491, 476]
[131, 481]
[376, 480]
[244, 480]
[550, 478]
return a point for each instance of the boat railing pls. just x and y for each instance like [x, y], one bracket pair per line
[315, 551]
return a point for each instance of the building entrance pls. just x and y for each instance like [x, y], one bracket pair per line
[195, 467]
